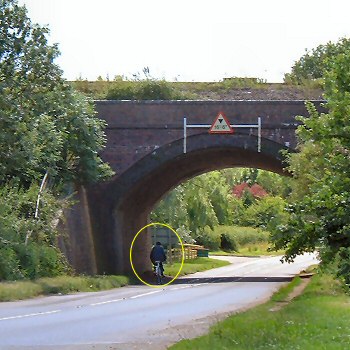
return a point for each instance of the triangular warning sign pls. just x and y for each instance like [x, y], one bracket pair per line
[221, 125]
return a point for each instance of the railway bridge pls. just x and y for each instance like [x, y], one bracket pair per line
[146, 149]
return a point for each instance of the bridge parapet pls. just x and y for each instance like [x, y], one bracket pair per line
[137, 128]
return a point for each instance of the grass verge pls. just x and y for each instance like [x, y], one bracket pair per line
[194, 265]
[10, 291]
[254, 249]
[18, 290]
[317, 319]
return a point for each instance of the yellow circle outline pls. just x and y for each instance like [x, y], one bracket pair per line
[182, 250]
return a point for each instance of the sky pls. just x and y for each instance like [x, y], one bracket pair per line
[187, 40]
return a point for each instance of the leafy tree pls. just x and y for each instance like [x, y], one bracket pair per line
[320, 214]
[45, 128]
[266, 213]
[204, 201]
[250, 176]
[315, 63]
[274, 184]
[172, 209]
[44, 123]
[207, 201]
[219, 195]
[200, 209]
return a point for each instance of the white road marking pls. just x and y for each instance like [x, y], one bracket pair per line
[107, 302]
[144, 294]
[30, 315]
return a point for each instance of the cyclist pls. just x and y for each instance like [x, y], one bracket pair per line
[158, 254]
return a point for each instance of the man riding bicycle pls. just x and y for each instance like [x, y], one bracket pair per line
[158, 254]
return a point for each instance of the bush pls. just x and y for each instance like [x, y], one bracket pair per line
[234, 237]
[209, 238]
[38, 260]
[121, 91]
[266, 213]
[39, 257]
[9, 264]
[228, 242]
[149, 89]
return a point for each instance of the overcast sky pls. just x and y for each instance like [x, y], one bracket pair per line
[188, 40]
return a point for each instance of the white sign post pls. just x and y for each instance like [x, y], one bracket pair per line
[221, 127]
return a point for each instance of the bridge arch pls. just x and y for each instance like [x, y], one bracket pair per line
[133, 195]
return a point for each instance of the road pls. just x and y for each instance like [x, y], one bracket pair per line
[142, 317]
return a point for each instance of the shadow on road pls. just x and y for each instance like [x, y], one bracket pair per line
[185, 280]
[149, 278]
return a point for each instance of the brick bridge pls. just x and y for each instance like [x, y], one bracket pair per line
[145, 148]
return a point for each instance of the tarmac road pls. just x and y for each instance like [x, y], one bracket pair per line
[142, 317]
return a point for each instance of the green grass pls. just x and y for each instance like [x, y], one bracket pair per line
[318, 319]
[253, 249]
[194, 265]
[283, 292]
[62, 284]
[18, 290]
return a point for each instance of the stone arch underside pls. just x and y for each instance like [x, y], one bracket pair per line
[121, 208]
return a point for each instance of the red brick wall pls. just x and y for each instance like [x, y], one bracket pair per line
[137, 128]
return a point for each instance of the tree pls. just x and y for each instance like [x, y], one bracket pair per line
[45, 128]
[44, 123]
[204, 201]
[172, 209]
[315, 63]
[266, 213]
[320, 213]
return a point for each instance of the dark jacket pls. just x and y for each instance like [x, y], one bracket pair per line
[157, 254]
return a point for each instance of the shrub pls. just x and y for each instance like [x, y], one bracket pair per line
[234, 237]
[266, 213]
[209, 238]
[149, 89]
[9, 264]
[121, 91]
[228, 242]
[38, 260]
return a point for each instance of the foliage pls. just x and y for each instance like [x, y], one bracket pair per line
[245, 235]
[172, 209]
[44, 123]
[320, 213]
[235, 237]
[143, 89]
[315, 63]
[40, 257]
[206, 202]
[185, 234]
[209, 238]
[122, 87]
[267, 213]
[46, 127]
[273, 184]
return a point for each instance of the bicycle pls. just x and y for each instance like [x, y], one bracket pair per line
[158, 272]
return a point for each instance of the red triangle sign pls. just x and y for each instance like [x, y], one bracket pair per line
[221, 125]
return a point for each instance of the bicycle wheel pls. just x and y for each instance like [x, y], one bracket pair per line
[158, 274]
